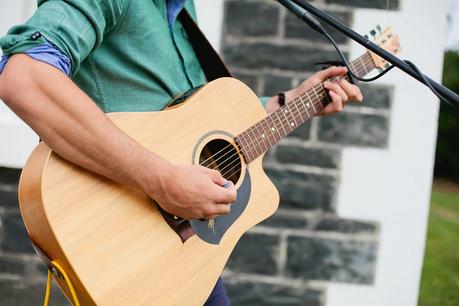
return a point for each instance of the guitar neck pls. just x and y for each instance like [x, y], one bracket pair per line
[260, 137]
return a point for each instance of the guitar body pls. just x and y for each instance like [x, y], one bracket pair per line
[112, 241]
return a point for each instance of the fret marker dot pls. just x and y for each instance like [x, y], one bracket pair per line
[308, 105]
[263, 136]
[273, 129]
[286, 111]
[292, 124]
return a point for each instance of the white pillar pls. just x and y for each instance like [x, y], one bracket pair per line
[16, 139]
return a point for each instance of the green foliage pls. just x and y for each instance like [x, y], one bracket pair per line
[447, 156]
[440, 273]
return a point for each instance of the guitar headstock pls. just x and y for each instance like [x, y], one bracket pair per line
[389, 41]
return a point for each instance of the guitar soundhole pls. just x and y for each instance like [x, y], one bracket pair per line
[221, 155]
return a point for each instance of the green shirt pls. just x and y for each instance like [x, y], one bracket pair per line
[123, 53]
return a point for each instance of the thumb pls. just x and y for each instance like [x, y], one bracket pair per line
[217, 178]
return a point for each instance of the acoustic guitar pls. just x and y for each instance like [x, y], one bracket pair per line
[115, 245]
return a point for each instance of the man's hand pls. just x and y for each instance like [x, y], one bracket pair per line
[194, 192]
[341, 92]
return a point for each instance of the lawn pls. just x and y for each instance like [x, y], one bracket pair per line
[440, 273]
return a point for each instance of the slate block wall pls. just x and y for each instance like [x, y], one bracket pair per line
[22, 274]
[290, 258]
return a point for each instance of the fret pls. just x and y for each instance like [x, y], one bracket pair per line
[273, 129]
[284, 110]
[267, 132]
[306, 107]
[352, 66]
[281, 123]
[363, 64]
[260, 137]
[315, 92]
[295, 103]
[309, 104]
[252, 138]
[324, 97]
[319, 98]
[244, 147]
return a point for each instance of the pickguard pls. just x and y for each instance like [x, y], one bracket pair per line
[213, 231]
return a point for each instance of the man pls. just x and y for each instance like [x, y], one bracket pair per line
[120, 55]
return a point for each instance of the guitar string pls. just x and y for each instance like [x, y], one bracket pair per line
[257, 143]
[359, 65]
[354, 65]
[315, 102]
[236, 160]
[357, 62]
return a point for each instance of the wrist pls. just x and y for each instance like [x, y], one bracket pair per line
[155, 172]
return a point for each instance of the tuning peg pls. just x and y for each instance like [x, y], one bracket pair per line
[378, 27]
[373, 33]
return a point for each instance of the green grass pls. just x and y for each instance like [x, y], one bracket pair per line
[440, 273]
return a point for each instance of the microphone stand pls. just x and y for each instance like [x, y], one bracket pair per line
[304, 10]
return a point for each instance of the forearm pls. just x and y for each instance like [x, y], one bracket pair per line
[72, 124]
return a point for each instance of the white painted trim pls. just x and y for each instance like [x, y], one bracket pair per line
[210, 18]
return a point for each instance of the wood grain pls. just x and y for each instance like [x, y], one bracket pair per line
[111, 239]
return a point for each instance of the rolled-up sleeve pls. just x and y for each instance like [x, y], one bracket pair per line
[74, 27]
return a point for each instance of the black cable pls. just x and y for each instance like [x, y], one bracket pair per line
[315, 24]
[427, 82]
[351, 73]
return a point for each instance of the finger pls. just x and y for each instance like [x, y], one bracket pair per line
[330, 72]
[352, 91]
[336, 105]
[215, 210]
[217, 178]
[223, 209]
[338, 90]
[225, 195]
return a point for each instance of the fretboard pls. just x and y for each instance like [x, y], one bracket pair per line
[260, 137]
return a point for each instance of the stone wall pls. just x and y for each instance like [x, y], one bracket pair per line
[290, 258]
[22, 274]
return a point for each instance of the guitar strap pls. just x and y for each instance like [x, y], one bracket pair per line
[210, 61]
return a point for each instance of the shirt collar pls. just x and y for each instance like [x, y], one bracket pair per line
[174, 7]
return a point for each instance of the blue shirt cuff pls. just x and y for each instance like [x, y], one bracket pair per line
[264, 100]
[47, 53]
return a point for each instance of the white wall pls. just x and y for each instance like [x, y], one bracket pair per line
[210, 18]
[393, 186]
[16, 139]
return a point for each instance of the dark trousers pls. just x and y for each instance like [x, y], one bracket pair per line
[218, 296]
